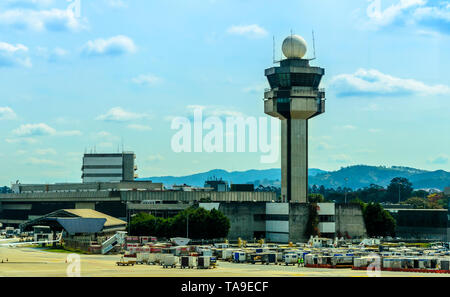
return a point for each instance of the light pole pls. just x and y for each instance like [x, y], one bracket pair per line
[346, 180]
[187, 225]
[399, 184]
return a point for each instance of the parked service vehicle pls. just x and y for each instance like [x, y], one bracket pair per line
[169, 261]
[254, 258]
[142, 258]
[9, 232]
[187, 262]
[126, 261]
[290, 259]
[269, 258]
[239, 257]
[204, 262]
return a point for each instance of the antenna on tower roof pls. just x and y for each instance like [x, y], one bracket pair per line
[314, 46]
[273, 49]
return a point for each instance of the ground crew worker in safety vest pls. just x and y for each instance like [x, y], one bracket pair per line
[300, 261]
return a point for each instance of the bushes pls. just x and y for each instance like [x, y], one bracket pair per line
[312, 227]
[379, 222]
[203, 224]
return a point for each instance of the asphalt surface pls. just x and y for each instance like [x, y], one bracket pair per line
[32, 262]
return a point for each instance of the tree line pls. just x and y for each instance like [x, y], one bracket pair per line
[194, 223]
[399, 190]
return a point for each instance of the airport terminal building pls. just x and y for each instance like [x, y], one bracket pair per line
[252, 214]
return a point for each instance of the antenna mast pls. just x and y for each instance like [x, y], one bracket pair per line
[273, 49]
[314, 46]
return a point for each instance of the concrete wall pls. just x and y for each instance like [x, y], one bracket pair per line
[350, 221]
[246, 218]
[277, 222]
[180, 196]
[298, 218]
[422, 224]
[128, 167]
[85, 205]
[422, 233]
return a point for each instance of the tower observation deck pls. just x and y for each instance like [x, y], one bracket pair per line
[294, 97]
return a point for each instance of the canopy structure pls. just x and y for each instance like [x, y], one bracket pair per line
[76, 221]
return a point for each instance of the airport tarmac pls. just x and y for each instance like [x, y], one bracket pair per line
[31, 262]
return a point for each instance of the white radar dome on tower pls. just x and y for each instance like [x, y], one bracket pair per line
[294, 47]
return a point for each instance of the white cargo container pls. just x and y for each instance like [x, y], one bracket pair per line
[310, 259]
[158, 258]
[360, 262]
[169, 261]
[239, 257]
[227, 254]
[188, 261]
[387, 263]
[290, 259]
[142, 258]
[152, 258]
[204, 262]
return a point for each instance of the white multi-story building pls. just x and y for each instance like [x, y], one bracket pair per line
[114, 167]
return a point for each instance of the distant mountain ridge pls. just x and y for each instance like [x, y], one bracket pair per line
[358, 176]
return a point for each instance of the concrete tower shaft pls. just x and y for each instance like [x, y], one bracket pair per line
[294, 97]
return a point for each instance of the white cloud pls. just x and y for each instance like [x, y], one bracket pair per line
[69, 133]
[374, 130]
[346, 127]
[324, 146]
[114, 46]
[341, 158]
[374, 83]
[380, 17]
[34, 130]
[118, 114]
[28, 3]
[42, 20]
[439, 160]
[148, 79]
[52, 55]
[41, 129]
[27, 140]
[43, 152]
[435, 14]
[139, 127]
[105, 136]
[37, 161]
[215, 111]
[157, 157]
[13, 55]
[256, 89]
[105, 144]
[253, 31]
[117, 3]
[6, 113]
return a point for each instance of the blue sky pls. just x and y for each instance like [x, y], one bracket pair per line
[118, 71]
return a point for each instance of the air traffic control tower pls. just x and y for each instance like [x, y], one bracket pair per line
[294, 97]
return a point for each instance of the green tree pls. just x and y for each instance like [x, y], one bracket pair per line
[399, 189]
[417, 202]
[378, 221]
[316, 198]
[200, 223]
[218, 224]
[312, 226]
